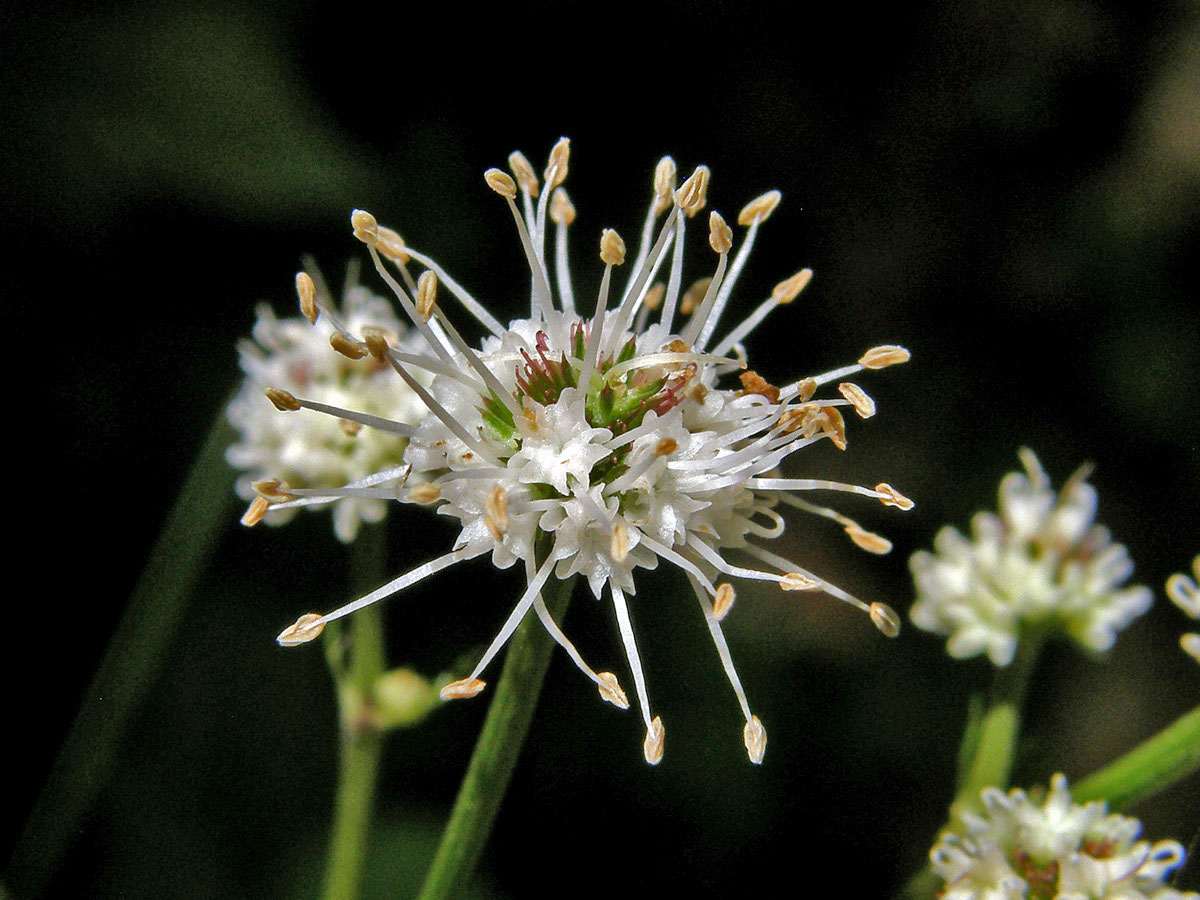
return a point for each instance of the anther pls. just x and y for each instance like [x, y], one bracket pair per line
[885, 619]
[789, 289]
[868, 540]
[501, 183]
[306, 628]
[307, 291]
[273, 490]
[391, 245]
[693, 295]
[720, 235]
[255, 511]
[884, 356]
[425, 493]
[893, 497]
[612, 248]
[664, 184]
[562, 210]
[753, 383]
[284, 401]
[349, 428]
[795, 581]
[654, 297]
[723, 601]
[759, 208]
[347, 346]
[693, 193]
[618, 542]
[366, 229]
[496, 507]
[805, 388]
[462, 689]
[523, 172]
[755, 737]
[859, 399]
[652, 747]
[666, 446]
[378, 341]
[610, 690]
[556, 168]
[427, 286]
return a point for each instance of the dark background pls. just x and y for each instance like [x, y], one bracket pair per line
[1009, 189]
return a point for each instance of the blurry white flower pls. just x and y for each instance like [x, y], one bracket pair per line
[598, 442]
[318, 451]
[1049, 847]
[1186, 595]
[1042, 562]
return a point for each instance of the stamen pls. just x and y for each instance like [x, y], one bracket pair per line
[693, 193]
[720, 235]
[755, 737]
[562, 210]
[306, 628]
[284, 400]
[366, 228]
[885, 619]
[760, 208]
[515, 617]
[556, 169]
[726, 657]
[606, 682]
[347, 346]
[723, 602]
[859, 399]
[784, 292]
[694, 295]
[563, 214]
[635, 663]
[255, 512]
[652, 746]
[612, 248]
[523, 172]
[868, 540]
[883, 356]
[798, 581]
[462, 689]
[501, 183]
[307, 291]
[892, 497]
[610, 690]
[426, 294]
[664, 185]
[377, 422]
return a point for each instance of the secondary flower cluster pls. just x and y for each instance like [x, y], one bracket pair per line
[597, 442]
[1023, 848]
[1185, 594]
[281, 452]
[1041, 562]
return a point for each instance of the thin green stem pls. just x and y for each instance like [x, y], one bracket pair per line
[152, 618]
[495, 755]
[361, 740]
[989, 762]
[1156, 763]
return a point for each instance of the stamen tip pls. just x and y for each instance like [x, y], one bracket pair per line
[610, 690]
[462, 689]
[307, 292]
[893, 497]
[366, 228]
[523, 172]
[255, 511]
[796, 581]
[885, 619]
[612, 248]
[789, 289]
[652, 746]
[723, 601]
[720, 235]
[284, 401]
[883, 356]
[755, 737]
[759, 208]
[562, 210]
[306, 628]
[501, 183]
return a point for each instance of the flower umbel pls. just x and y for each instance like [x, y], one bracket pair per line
[1041, 562]
[599, 442]
[1048, 847]
[1186, 595]
[284, 453]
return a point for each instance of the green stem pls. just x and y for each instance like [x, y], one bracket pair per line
[361, 741]
[152, 618]
[989, 762]
[1156, 763]
[495, 755]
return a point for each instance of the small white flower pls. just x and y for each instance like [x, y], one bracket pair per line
[1186, 595]
[599, 443]
[1041, 562]
[1020, 848]
[293, 355]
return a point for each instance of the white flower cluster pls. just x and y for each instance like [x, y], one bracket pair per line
[1042, 562]
[1053, 849]
[1185, 594]
[596, 444]
[318, 451]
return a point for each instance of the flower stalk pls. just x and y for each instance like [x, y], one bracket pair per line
[495, 756]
